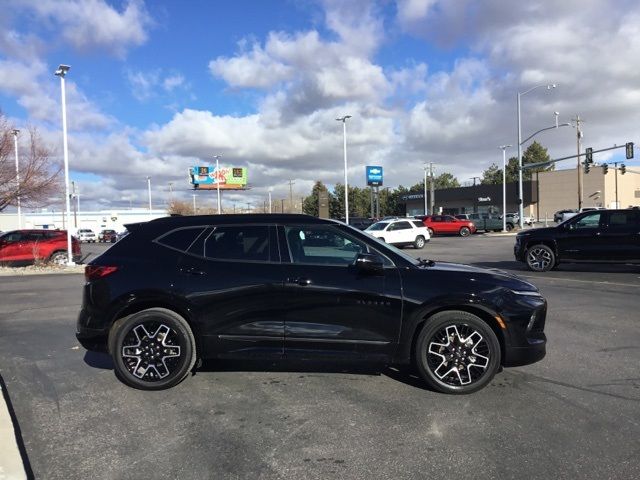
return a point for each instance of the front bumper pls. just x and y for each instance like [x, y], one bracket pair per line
[524, 355]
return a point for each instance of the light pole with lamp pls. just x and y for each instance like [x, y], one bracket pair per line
[62, 72]
[15, 141]
[217, 157]
[343, 119]
[504, 185]
[520, 199]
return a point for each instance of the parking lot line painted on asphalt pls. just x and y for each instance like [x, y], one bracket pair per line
[13, 464]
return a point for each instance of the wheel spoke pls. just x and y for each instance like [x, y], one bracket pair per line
[150, 351]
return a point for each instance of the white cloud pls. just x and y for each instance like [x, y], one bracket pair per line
[89, 24]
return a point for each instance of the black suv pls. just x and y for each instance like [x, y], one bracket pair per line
[610, 236]
[234, 286]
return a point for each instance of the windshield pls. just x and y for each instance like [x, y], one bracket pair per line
[378, 226]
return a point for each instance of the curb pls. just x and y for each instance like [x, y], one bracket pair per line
[14, 462]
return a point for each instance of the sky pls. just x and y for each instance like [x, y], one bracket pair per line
[156, 87]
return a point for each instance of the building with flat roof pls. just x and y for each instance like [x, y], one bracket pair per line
[96, 221]
[547, 193]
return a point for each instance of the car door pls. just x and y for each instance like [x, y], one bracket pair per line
[10, 246]
[450, 224]
[334, 309]
[582, 238]
[621, 235]
[233, 277]
[403, 232]
[392, 234]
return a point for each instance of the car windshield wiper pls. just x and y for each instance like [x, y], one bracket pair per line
[425, 262]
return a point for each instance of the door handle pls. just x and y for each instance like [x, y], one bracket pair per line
[303, 282]
[192, 271]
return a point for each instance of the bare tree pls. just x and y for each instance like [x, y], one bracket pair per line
[39, 175]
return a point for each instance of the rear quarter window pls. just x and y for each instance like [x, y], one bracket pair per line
[180, 239]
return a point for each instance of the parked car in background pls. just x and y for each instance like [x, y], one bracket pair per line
[607, 236]
[361, 223]
[491, 223]
[568, 215]
[24, 247]
[179, 289]
[557, 217]
[107, 236]
[87, 235]
[462, 216]
[121, 235]
[447, 224]
[400, 232]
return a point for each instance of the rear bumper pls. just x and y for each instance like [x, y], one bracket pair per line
[93, 339]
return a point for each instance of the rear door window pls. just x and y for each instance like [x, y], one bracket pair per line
[624, 221]
[242, 242]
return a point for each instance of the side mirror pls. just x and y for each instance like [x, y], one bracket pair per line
[367, 262]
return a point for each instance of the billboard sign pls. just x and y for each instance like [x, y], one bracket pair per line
[374, 176]
[229, 178]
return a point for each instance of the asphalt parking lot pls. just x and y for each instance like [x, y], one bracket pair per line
[575, 414]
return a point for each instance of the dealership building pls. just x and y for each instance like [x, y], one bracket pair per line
[547, 193]
[96, 221]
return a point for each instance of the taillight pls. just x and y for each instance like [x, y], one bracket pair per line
[94, 272]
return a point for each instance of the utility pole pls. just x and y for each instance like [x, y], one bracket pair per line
[75, 208]
[580, 179]
[426, 211]
[433, 189]
[291, 184]
[282, 205]
[301, 204]
[616, 169]
[195, 210]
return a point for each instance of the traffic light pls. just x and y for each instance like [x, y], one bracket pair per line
[629, 150]
[623, 169]
[587, 167]
[605, 168]
[589, 158]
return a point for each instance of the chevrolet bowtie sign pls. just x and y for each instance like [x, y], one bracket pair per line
[374, 176]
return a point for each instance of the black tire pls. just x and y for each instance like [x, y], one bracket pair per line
[59, 258]
[383, 240]
[465, 232]
[441, 352]
[430, 230]
[419, 242]
[509, 227]
[540, 258]
[147, 335]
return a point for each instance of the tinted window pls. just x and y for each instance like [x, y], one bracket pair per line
[12, 237]
[246, 242]
[588, 221]
[418, 224]
[322, 245]
[436, 219]
[180, 239]
[624, 220]
[402, 226]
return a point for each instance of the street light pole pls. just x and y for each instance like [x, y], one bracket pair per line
[218, 182]
[149, 190]
[15, 141]
[270, 189]
[346, 181]
[61, 72]
[194, 204]
[425, 189]
[504, 185]
[520, 196]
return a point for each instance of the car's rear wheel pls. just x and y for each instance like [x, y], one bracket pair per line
[152, 349]
[465, 231]
[419, 242]
[430, 230]
[59, 258]
[509, 227]
[540, 258]
[456, 352]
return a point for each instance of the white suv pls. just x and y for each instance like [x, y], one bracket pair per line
[401, 232]
[86, 235]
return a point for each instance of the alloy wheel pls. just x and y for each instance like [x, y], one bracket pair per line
[151, 351]
[540, 259]
[458, 355]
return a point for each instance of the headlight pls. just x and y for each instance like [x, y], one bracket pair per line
[527, 293]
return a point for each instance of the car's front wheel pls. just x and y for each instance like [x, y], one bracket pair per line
[456, 352]
[540, 258]
[465, 231]
[419, 242]
[152, 349]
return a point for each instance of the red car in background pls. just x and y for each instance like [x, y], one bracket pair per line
[441, 224]
[23, 247]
